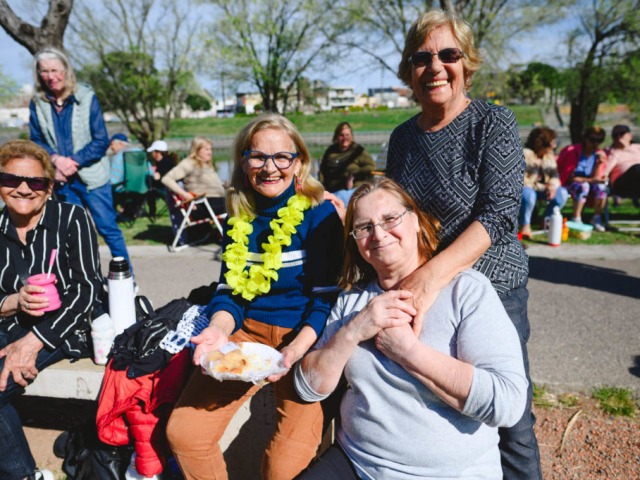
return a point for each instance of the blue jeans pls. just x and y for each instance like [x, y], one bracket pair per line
[529, 199]
[519, 453]
[16, 461]
[99, 202]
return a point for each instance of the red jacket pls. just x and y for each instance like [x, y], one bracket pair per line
[140, 408]
[568, 161]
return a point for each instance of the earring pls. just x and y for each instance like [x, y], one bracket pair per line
[298, 184]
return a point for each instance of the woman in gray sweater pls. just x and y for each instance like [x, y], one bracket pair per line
[417, 406]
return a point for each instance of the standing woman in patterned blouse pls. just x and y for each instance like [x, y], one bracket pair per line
[31, 227]
[462, 161]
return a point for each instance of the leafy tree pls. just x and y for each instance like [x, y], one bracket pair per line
[33, 38]
[608, 30]
[140, 61]
[139, 96]
[8, 87]
[273, 43]
[626, 82]
[197, 102]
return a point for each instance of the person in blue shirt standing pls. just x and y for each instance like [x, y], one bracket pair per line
[66, 119]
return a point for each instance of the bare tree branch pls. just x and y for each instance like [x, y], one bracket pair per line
[34, 38]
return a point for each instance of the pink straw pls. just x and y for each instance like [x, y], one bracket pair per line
[52, 260]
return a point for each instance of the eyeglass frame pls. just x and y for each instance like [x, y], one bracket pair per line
[267, 156]
[4, 176]
[455, 50]
[372, 226]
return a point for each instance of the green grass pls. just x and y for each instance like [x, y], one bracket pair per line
[143, 231]
[625, 211]
[323, 122]
[616, 401]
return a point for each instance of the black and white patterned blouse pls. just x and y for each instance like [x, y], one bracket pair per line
[67, 228]
[470, 170]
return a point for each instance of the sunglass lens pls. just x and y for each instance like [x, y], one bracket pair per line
[38, 183]
[449, 55]
[421, 59]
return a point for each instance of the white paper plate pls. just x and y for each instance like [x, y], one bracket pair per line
[264, 360]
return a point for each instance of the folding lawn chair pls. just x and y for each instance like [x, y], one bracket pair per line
[135, 189]
[182, 218]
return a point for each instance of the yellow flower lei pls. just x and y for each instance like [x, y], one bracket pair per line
[257, 280]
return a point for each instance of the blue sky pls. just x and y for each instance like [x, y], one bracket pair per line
[541, 45]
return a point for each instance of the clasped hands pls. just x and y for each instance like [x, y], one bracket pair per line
[66, 166]
[388, 320]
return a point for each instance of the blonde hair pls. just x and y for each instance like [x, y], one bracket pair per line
[197, 144]
[424, 26]
[51, 53]
[355, 269]
[23, 149]
[240, 197]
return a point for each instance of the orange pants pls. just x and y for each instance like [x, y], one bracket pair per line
[206, 407]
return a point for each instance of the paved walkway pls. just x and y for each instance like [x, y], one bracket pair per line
[584, 306]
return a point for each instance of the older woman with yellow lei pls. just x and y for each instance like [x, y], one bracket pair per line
[282, 254]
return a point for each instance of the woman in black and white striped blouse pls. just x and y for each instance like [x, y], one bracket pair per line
[31, 227]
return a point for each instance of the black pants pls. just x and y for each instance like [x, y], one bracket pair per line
[628, 184]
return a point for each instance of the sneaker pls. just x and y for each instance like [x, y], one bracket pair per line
[42, 475]
[598, 226]
[576, 220]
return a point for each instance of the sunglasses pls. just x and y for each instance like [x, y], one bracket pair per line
[595, 139]
[446, 55]
[37, 184]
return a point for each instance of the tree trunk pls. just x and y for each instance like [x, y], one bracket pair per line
[49, 34]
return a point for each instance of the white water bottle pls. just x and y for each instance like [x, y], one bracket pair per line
[102, 335]
[122, 307]
[132, 473]
[553, 227]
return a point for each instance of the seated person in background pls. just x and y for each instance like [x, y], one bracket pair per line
[541, 179]
[426, 406]
[31, 226]
[623, 164]
[582, 170]
[345, 164]
[117, 145]
[162, 161]
[198, 176]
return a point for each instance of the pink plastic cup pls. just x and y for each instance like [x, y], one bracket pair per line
[47, 281]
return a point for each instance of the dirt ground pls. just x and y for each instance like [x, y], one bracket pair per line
[579, 442]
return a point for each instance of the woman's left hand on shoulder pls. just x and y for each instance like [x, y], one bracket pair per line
[396, 342]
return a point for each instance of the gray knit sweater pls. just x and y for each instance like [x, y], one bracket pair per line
[394, 427]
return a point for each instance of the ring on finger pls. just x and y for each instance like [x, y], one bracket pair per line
[26, 305]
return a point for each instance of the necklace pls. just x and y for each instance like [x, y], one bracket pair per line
[257, 280]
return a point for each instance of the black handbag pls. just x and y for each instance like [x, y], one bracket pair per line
[87, 458]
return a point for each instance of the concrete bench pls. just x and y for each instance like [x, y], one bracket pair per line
[81, 380]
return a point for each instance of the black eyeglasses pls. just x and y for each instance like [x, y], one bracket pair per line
[446, 55]
[391, 221]
[37, 184]
[258, 159]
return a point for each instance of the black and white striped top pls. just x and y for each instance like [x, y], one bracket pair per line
[67, 228]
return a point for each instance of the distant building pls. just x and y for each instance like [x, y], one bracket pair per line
[392, 97]
[14, 117]
[340, 98]
[247, 102]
